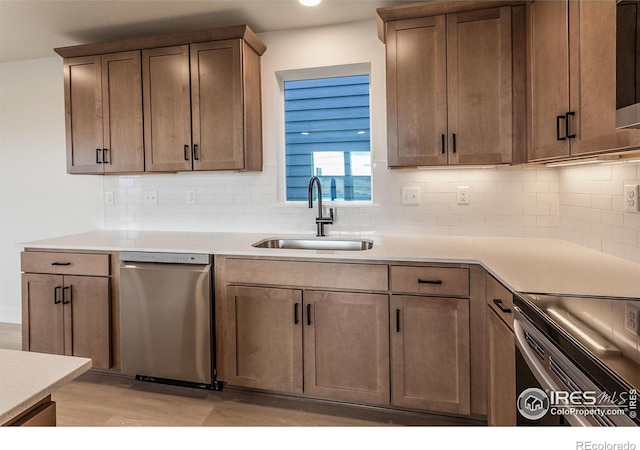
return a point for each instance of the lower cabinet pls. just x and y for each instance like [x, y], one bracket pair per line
[346, 346]
[340, 339]
[367, 333]
[265, 338]
[501, 356]
[430, 353]
[67, 314]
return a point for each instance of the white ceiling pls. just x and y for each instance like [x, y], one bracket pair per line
[31, 28]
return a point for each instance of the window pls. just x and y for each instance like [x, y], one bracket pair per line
[327, 133]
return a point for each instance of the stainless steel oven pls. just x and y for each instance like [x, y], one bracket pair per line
[573, 367]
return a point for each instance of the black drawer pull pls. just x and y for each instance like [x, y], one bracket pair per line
[186, 153]
[443, 144]
[498, 303]
[64, 296]
[568, 125]
[98, 155]
[558, 119]
[295, 314]
[397, 321]
[454, 142]
[55, 295]
[60, 263]
[105, 151]
[420, 281]
[308, 313]
[195, 152]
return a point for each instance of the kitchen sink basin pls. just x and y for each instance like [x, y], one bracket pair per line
[316, 244]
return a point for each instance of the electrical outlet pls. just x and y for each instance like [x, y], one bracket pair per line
[108, 198]
[150, 197]
[191, 196]
[410, 196]
[463, 195]
[631, 198]
[632, 318]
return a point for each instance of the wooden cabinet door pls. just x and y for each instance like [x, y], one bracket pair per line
[265, 338]
[83, 114]
[217, 105]
[416, 92]
[167, 109]
[548, 24]
[479, 84]
[592, 50]
[87, 319]
[501, 372]
[346, 347]
[42, 314]
[430, 353]
[122, 112]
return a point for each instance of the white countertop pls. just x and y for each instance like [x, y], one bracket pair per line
[28, 377]
[522, 264]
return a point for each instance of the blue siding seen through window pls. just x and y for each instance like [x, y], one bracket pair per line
[327, 133]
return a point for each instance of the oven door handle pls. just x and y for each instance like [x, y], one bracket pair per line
[538, 370]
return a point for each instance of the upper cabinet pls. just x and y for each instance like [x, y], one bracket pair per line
[103, 112]
[455, 84]
[194, 97]
[572, 87]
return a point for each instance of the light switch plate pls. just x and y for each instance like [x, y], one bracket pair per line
[410, 196]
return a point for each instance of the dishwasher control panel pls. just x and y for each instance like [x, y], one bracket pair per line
[166, 258]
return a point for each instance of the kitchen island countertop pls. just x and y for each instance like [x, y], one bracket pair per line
[522, 264]
[28, 377]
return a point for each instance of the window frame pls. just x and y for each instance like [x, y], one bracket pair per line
[309, 73]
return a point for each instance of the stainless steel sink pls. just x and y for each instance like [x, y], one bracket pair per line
[315, 244]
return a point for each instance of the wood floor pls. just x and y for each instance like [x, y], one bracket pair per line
[103, 399]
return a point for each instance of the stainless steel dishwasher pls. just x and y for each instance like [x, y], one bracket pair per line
[166, 317]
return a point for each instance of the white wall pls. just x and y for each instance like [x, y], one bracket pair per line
[37, 198]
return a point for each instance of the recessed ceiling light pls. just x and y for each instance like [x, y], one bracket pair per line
[310, 2]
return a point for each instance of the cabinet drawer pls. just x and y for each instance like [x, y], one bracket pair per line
[430, 280]
[368, 277]
[500, 299]
[65, 263]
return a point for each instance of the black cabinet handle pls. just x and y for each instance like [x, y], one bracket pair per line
[98, 156]
[558, 119]
[195, 152]
[186, 153]
[420, 281]
[308, 313]
[397, 321]
[295, 314]
[444, 144]
[498, 303]
[454, 142]
[60, 263]
[567, 125]
[64, 296]
[55, 295]
[104, 156]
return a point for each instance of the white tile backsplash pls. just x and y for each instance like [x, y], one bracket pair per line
[515, 202]
[592, 209]
[582, 204]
